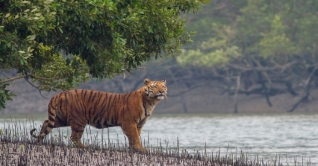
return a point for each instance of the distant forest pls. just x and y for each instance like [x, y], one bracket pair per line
[262, 47]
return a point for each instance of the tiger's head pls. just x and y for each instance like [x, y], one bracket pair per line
[155, 89]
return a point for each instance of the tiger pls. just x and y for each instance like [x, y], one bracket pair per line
[81, 107]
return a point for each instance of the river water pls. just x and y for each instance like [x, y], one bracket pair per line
[288, 137]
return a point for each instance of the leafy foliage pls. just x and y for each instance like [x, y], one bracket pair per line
[4, 95]
[58, 43]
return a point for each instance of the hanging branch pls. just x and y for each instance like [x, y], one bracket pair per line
[37, 87]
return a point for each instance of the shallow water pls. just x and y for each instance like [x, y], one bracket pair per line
[287, 137]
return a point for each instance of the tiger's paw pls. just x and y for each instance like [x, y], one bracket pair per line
[139, 150]
[80, 144]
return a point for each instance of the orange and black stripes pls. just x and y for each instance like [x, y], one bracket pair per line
[77, 108]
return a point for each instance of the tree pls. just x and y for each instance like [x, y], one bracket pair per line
[263, 47]
[58, 43]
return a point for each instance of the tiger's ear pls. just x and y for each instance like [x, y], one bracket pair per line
[147, 81]
[164, 81]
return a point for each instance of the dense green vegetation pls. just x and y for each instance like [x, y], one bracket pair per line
[264, 47]
[58, 43]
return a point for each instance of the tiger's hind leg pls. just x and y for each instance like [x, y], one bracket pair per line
[46, 128]
[76, 135]
[43, 132]
[47, 124]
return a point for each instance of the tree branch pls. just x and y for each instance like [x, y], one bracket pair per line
[307, 90]
[28, 75]
[238, 81]
[12, 79]
[244, 68]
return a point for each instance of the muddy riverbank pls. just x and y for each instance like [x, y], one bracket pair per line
[18, 153]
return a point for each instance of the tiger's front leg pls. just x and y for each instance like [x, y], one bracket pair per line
[140, 125]
[131, 131]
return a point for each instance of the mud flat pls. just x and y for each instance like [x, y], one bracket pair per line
[18, 153]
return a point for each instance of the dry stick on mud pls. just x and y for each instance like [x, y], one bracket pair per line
[130, 111]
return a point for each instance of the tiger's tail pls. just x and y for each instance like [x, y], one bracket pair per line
[47, 124]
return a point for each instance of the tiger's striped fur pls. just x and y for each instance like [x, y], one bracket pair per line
[77, 108]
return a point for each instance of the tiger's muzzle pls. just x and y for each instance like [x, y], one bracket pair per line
[161, 95]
